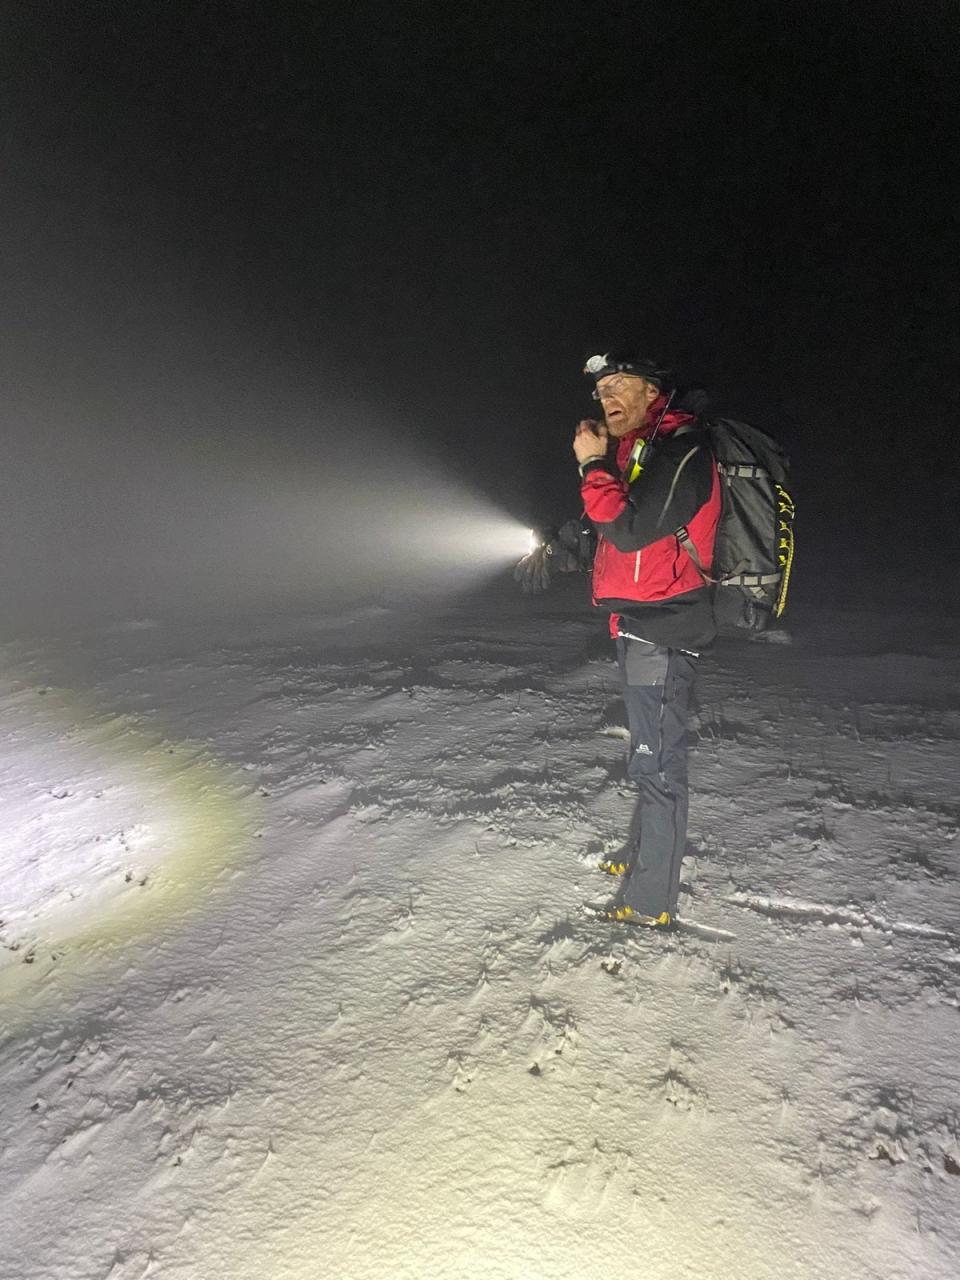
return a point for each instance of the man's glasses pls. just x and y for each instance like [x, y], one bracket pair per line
[610, 388]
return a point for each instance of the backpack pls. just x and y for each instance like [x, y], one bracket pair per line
[753, 552]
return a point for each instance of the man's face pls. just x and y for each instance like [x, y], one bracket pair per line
[625, 399]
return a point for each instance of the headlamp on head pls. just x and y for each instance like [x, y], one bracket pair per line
[598, 367]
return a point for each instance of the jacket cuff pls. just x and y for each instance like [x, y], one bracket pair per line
[595, 464]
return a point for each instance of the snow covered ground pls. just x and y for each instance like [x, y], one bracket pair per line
[294, 981]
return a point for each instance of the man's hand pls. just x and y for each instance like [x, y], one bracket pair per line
[590, 440]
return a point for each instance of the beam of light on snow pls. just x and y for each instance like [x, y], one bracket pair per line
[109, 832]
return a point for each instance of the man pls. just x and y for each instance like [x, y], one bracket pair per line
[650, 487]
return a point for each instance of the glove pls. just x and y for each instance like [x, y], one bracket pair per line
[574, 547]
[533, 572]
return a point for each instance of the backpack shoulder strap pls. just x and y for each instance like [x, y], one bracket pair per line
[676, 476]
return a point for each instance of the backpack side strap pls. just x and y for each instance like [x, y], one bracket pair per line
[682, 536]
[735, 578]
[748, 470]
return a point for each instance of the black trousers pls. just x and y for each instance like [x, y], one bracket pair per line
[657, 690]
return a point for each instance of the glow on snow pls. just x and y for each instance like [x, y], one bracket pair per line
[109, 830]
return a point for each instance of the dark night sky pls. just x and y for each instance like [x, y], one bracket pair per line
[217, 217]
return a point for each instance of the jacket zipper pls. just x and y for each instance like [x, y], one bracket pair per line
[636, 568]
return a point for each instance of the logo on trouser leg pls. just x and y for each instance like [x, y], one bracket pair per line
[641, 749]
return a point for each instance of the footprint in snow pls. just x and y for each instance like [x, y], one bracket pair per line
[463, 1071]
[678, 1082]
[557, 1033]
[583, 1186]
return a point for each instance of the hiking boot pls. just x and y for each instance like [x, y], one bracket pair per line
[613, 866]
[620, 913]
[620, 861]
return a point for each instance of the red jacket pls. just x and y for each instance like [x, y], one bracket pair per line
[641, 572]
